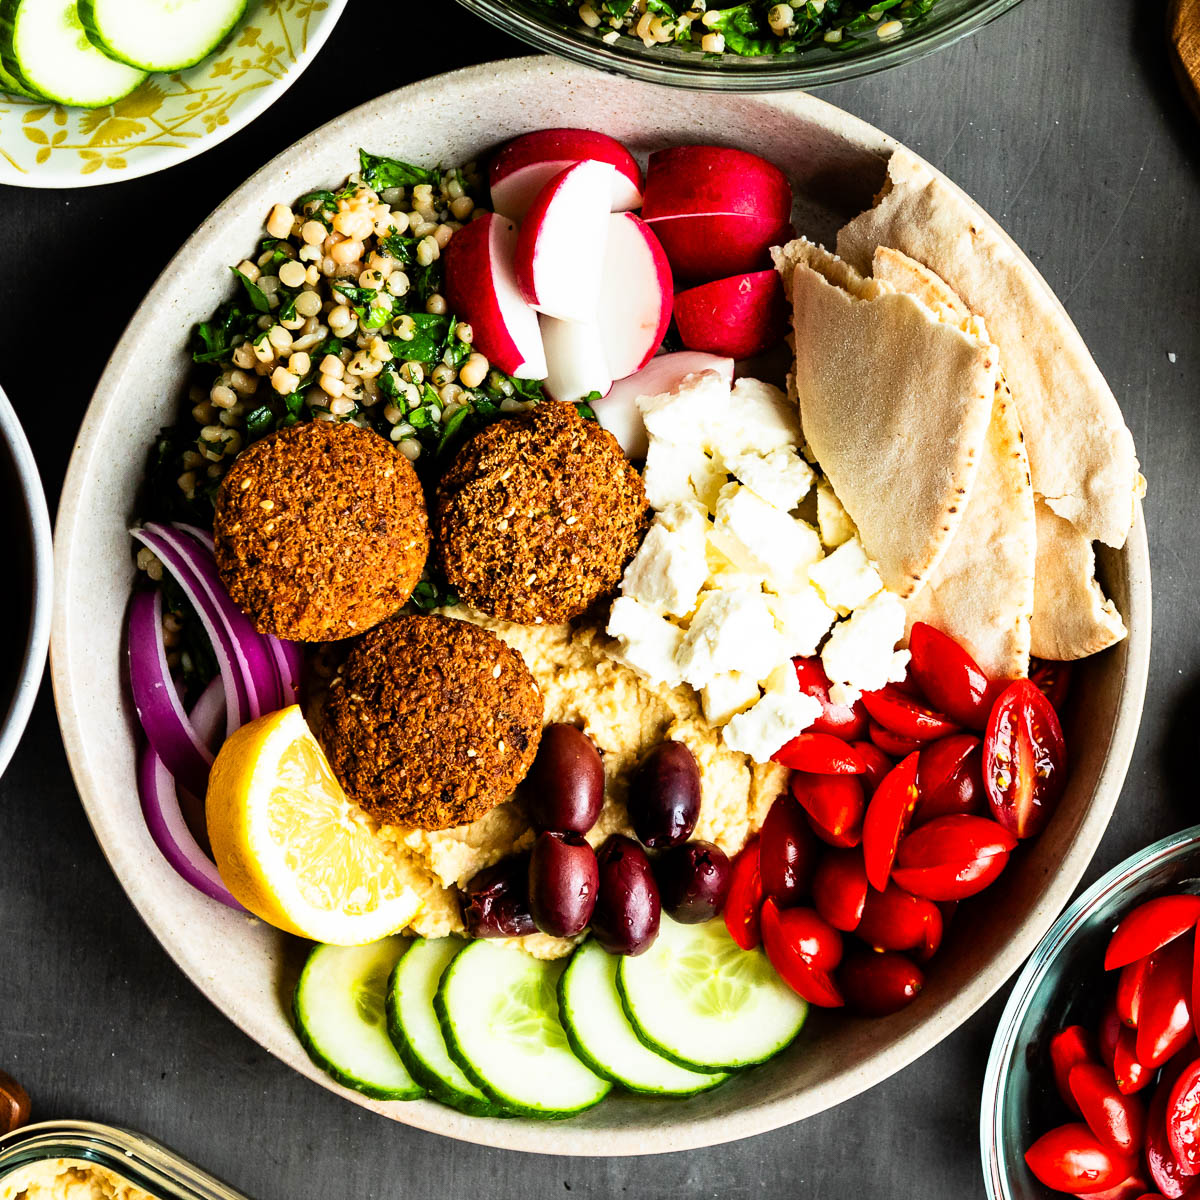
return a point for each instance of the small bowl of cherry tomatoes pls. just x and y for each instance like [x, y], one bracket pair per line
[1093, 1084]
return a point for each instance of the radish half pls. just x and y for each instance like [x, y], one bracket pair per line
[526, 164]
[636, 292]
[697, 180]
[481, 287]
[736, 317]
[575, 364]
[714, 245]
[560, 249]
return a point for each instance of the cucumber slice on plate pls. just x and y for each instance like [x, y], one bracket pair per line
[340, 1016]
[498, 1010]
[159, 35]
[601, 1035]
[43, 46]
[697, 998]
[415, 1031]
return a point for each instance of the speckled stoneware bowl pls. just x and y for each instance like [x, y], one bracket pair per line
[836, 163]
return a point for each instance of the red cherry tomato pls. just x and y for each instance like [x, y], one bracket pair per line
[876, 762]
[897, 920]
[1108, 1032]
[952, 858]
[745, 897]
[1118, 1120]
[835, 805]
[1150, 926]
[1183, 1119]
[1165, 1013]
[877, 984]
[1196, 982]
[950, 777]
[796, 940]
[1168, 1176]
[1053, 679]
[892, 743]
[1131, 1075]
[1024, 759]
[787, 851]
[845, 721]
[1068, 1048]
[820, 754]
[951, 679]
[1072, 1159]
[905, 716]
[839, 888]
[1133, 1188]
[888, 814]
[1130, 985]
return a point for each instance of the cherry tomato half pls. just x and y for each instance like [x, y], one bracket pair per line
[744, 899]
[897, 920]
[953, 857]
[803, 949]
[835, 805]
[1053, 678]
[844, 721]
[905, 716]
[950, 777]
[1131, 1075]
[820, 754]
[1068, 1048]
[876, 762]
[1168, 1176]
[1165, 1013]
[1130, 985]
[1133, 1188]
[839, 888]
[1024, 759]
[1183, 1119]
[1072, 1159]
[877, 984]
[887, 817]
[1118, 1120]
[787, 851]
[952, 680]
[892, 743]
[1149, 927]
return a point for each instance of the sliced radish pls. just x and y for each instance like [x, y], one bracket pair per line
[526, 164]
[702, 180]
[636, 293]
[618, 411]
[575, 362]
[481, 287]
[738, 317]
[713, 245]
[560, 249]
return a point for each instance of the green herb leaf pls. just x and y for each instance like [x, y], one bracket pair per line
[379, 172]
[254, 293]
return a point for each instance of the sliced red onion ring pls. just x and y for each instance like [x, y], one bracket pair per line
[208, 714]
[168, 730]
[289, 659]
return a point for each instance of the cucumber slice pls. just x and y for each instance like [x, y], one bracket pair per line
[340, 1017]
[12, 86]
[159, 35]
[44, 48]
[415, 1031]
[601, 1035]
[700, 1000]
[498, 1010]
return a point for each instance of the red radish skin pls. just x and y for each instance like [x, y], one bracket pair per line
[560, 248]
[704, 247]
[575, 362]
[526, 164]
[690, 180]
[737, 317]
[636, 296]
[481, 287]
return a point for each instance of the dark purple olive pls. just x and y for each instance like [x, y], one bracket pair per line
[627, 911]
[564, 789]
[664, 796]
[495, 903]
[693, 880]
[563, 881]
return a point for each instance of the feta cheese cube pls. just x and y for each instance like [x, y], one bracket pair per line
[730, 631]
[782, 478]
[688, 414]
[726, 695]
[669, 569]
[783, 680]
[846, 579]
[771, 724]
[832, 519]
[648, 643]
[667, 474]
[860, 651]
[757, 418]
[760, 539]
[802, 619]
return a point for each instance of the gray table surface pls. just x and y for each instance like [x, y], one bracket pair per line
[1061, 119]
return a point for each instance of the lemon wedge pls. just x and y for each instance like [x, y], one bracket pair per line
[292, 847]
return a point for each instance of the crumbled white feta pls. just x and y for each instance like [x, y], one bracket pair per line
[859, 653]
[802, 619]
[832, 519]
[846, 579]
[670, 568]
[730, 631]
[726, 695]
[767, 727]
[757, 537]
[758, 418]
[690, 414]
[648, 643]
[781, 478]
[667, 475]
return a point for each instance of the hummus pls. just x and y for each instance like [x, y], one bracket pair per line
[626, 716]
[68, 1179]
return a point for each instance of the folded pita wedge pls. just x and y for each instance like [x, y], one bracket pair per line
[1081, 455]
[894, 403]
[982, 592]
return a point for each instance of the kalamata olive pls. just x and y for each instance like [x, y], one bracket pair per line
[627, 909]
[693, 880]
[564, 789]
[563, 882]
[664, 796]
[495, 903]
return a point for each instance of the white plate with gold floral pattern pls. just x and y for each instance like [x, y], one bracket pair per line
[169, 118]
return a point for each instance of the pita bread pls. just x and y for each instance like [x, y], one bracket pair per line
[894, 404]
[1071, 616]
[982, 591]
[1081, 455]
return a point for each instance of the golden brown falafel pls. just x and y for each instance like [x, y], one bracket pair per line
[431, 722]
[320, 531]
[539, 515]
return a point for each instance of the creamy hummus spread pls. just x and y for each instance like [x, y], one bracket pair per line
[68, 1179]
[625, 715]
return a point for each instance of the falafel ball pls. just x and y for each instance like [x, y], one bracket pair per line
[320, 531]
[431, 722]
[539, 515]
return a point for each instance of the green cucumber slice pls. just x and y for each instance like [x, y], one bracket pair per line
[699, 999]
[159, 35]
[43, 46]
[340, 1016]
[414, 1028]
[601, 1035]
[498, 1010]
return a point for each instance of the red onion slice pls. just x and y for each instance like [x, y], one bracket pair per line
[208, 714]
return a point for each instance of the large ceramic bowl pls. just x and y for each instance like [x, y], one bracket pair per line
[837, 163]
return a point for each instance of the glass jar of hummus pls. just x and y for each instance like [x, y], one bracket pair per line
[78, 1160]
